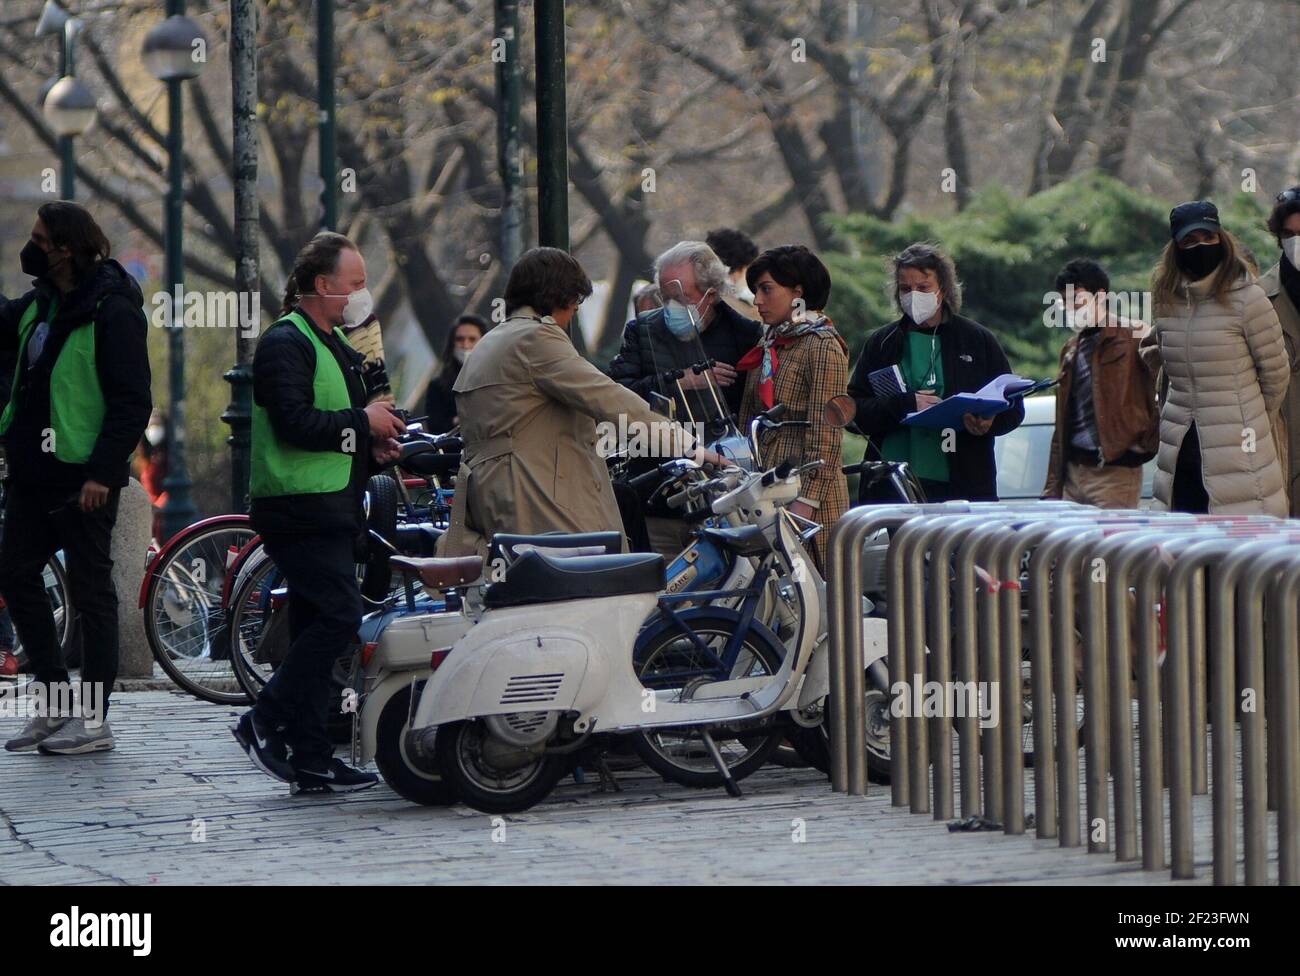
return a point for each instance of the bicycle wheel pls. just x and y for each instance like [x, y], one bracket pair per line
[65, 618]
[184, 618]
[670, 660]
[259, 640]
[258, 635]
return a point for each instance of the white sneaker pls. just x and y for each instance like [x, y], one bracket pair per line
[76, 737]
[35, 732]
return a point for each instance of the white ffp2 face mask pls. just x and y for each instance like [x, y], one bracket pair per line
[1291, 248]
[358, 308]
[919, 306]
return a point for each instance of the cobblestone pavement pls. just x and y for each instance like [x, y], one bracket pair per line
[177, 802]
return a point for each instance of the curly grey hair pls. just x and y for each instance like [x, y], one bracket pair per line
[710, 272]
[926, 257]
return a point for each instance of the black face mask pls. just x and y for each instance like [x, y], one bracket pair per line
[35, 261]
[1199, 260]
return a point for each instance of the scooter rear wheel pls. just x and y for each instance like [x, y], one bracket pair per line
[479, 784]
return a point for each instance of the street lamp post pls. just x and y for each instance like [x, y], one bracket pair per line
[552, 132]
[69, 105]
[552, 135]
[329, 196]
[509, 84]
[243, 78]
[175, 51]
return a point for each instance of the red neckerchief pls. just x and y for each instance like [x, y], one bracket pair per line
[765, 355]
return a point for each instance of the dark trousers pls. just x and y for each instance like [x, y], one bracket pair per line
[324, 616]
[38, 523]
[1188, 493]
[938, 491]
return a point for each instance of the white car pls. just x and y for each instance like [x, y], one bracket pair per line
[1022, 455]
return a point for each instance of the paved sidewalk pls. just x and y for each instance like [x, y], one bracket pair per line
[177, 802]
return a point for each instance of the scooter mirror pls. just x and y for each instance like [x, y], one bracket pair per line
[839, 410]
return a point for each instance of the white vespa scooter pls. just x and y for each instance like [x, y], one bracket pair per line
[408, 646]
[550, 662]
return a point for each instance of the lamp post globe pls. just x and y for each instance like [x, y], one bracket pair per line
[69, 107]
[175, 50]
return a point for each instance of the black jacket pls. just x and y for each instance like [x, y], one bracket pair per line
[640, 363]
[440, 405]
[284, 365]
[971, 357]
[111, 299]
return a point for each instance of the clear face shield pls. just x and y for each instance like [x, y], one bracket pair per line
[679, 359]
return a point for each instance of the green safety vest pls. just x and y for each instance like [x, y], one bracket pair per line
[280, 468]
[76, 399]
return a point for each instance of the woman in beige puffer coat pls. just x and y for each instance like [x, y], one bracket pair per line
[1220, 342]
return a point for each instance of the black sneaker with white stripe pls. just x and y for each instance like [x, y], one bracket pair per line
[336, 777]
[265, 746]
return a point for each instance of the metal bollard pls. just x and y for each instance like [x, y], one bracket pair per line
[1233, 640]
[1283, 594]
[952, 531]
[939, 528]
[1191, 563]
[845, 666]
[932, 630]
[1123, 556]
[1059, 650]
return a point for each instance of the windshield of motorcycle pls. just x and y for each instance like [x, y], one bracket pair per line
[680, 366]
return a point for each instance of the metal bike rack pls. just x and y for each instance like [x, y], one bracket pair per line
[953, 577]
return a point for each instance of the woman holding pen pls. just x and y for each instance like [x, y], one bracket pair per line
[938, 353]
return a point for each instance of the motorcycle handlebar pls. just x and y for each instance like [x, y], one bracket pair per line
[698, 514]
[648, 478]
[779, 473]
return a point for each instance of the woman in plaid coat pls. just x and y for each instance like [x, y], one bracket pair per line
[801, 362]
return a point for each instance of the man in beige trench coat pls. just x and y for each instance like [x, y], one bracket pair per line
[529, 406]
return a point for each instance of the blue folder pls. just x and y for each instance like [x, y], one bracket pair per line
[948, 413]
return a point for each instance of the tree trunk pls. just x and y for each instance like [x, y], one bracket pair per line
[1065, 126]
[1140, 15]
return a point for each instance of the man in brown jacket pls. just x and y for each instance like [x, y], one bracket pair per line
[529, 407]
[1107, 424]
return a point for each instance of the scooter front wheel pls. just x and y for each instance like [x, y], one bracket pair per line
[814, 745]
[412, 776]
[489, 786]
[670, 660]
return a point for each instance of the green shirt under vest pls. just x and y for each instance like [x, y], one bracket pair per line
[921, 447]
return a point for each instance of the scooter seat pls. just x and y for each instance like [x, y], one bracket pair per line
[538, 578]
[743, 540]
[511, 546]
[440, 573]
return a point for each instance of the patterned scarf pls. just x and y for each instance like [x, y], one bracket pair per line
[766, 357]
